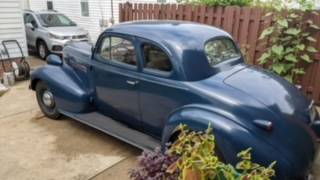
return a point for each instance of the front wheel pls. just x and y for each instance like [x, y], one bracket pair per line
[46, 101]
[42, 50]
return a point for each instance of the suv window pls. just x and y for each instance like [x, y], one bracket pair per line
[155, 58]
[118, 50]
[219, 50]
[28, 18]
[54, 20]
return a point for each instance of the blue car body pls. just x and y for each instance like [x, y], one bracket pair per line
[246, 106]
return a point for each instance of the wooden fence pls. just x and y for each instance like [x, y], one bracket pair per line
[245, 24]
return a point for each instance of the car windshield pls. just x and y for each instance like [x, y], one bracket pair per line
[219, 50]
[54, 20]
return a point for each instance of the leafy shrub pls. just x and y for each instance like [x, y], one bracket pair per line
[194, 158]
[217, 2]
[290, 38]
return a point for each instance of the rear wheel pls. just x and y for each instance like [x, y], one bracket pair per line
[46, 101]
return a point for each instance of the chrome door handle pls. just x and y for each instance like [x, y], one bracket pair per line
[132, 82]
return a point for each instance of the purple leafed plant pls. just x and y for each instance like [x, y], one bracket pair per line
[152, 165]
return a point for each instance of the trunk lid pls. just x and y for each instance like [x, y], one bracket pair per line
[286, 107]
[271, 90]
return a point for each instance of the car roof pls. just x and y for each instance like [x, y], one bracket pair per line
[183, 40]
[42, 12]
[170, 32]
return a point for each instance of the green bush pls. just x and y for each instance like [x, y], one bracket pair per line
[290, 38]
[192, 157]
[199, 160]
[217, 2]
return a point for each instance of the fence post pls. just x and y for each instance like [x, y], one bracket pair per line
[121, 19]
[228, 20]
[254, 33]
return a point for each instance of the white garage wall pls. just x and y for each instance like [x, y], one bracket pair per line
[98, 10]
[12, 26]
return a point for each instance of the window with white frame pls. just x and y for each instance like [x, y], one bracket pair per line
[84, 8]
[49, 5]
[161, 1]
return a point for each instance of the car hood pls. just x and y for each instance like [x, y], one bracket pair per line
[271, 90]
[67, 31]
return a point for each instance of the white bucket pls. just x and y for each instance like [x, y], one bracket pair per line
[8, 79]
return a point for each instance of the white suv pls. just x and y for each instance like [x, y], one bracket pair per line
[49, 31]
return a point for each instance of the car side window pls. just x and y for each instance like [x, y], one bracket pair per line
[219, 50]
[155, 58]
[28, 18]
[119, 50]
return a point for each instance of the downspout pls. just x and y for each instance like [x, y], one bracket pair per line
[112, 16]
[27, 4]
[101, 15]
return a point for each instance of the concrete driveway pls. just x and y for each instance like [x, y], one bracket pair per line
[35, 147]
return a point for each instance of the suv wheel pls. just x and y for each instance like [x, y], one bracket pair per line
[42, 50]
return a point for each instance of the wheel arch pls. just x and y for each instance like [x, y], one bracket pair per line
[228, 133]
[38, 40]
[33, 83]
[70, 94]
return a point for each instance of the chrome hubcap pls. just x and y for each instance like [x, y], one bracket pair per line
[42, 51]
[47, 98]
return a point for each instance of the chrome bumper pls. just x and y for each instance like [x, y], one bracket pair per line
[314, 170]
[61, 43]
[316, 128]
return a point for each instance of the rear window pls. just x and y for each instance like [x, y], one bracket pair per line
[219, 50]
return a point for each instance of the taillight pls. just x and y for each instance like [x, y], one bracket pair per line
[263, 124]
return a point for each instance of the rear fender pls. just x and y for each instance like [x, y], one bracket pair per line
[231, 137]
[70, 94]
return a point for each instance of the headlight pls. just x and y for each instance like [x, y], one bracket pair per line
[85, 36]
[54, 36]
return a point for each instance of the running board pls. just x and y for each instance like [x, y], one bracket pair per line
[116, 129]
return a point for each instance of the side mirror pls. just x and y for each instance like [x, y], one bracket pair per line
[29, 25]
[92, 50]
[55, 60]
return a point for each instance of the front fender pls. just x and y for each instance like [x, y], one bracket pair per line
[70, 94]
[231, 137]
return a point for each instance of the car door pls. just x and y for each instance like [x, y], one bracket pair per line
[115, 74]
[161, 92]
[30, 30]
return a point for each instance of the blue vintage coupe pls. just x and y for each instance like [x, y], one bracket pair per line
[142, 79]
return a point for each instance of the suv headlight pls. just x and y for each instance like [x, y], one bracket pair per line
[54, 36]
[85, 36]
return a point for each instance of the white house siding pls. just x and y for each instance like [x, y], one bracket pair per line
[12, 26]
[150, 1]
[25, 4]
[98, 10]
